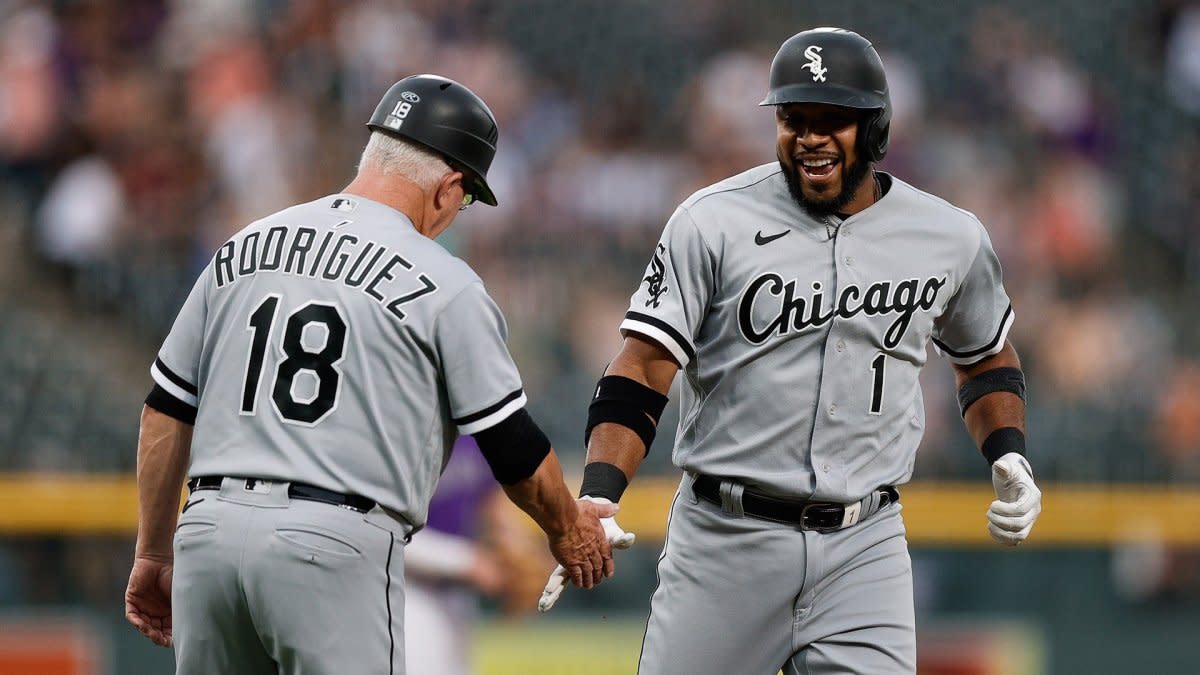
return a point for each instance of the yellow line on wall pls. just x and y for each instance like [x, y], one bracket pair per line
[67, 504]
[936, 514]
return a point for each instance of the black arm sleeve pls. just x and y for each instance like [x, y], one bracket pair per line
[168, 405]
[514, 448]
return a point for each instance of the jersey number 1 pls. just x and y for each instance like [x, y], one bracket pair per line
[877, 383]
[298, 358]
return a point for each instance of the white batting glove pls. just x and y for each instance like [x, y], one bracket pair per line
[1018, 500]
[617, 538]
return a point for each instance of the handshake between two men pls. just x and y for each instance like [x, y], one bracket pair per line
[617, 539]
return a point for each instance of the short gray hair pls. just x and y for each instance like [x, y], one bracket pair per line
[392, 155]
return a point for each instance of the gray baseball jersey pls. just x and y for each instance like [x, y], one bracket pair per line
[801, 340]
[332, 344]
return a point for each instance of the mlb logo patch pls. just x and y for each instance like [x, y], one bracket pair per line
[343, 204]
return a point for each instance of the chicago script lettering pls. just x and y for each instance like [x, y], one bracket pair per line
[791, 311]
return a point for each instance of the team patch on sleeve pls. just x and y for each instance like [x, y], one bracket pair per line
[489, 416]
[970, 356]
[174, 385]
[656, 272]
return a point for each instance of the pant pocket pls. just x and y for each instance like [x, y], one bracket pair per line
[193, 532]
[313, 540]
[194, 528]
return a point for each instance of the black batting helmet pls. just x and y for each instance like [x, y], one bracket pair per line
[838, 67]
[445, 117]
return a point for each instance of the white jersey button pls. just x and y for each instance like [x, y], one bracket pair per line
[841, 345]
[849, 261]
[832, 409]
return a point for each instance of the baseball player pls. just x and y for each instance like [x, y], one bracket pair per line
[798, 299]
[311, 388]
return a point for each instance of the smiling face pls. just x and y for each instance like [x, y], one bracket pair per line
[817, 146]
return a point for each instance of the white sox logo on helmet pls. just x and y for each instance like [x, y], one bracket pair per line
[815, 64]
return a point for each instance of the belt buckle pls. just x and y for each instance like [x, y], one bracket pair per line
[804, 516]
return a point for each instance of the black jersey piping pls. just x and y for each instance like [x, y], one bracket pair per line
[666, 328]
[175, 379]
[976, 352]
[490, 410]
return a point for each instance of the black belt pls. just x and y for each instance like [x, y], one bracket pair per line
[295, 491]
[818, 516]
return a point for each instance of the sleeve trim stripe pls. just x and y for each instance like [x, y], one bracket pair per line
[658, 336]
[666, 329]
[467, 419]
[179, 381]
[969, 357]
[491, 419]
[163, 380]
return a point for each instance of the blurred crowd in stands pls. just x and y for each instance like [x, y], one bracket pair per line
[135, 135]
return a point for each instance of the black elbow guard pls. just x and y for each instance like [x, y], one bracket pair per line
[1011, 380]
[626, 402]
[514, 448]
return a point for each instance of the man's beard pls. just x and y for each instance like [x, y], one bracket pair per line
[819, 208]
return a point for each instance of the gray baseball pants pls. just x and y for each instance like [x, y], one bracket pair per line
[739, 595]
[265, 583]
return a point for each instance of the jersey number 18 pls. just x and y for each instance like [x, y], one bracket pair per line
[297, 358]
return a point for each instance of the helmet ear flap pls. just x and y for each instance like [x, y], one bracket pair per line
[873, 135]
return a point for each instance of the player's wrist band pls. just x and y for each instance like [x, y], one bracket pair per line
[626, 402]
[1001, 442]
[601, 479]
[989, 381]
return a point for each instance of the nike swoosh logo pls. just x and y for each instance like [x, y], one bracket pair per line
[761, 240]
